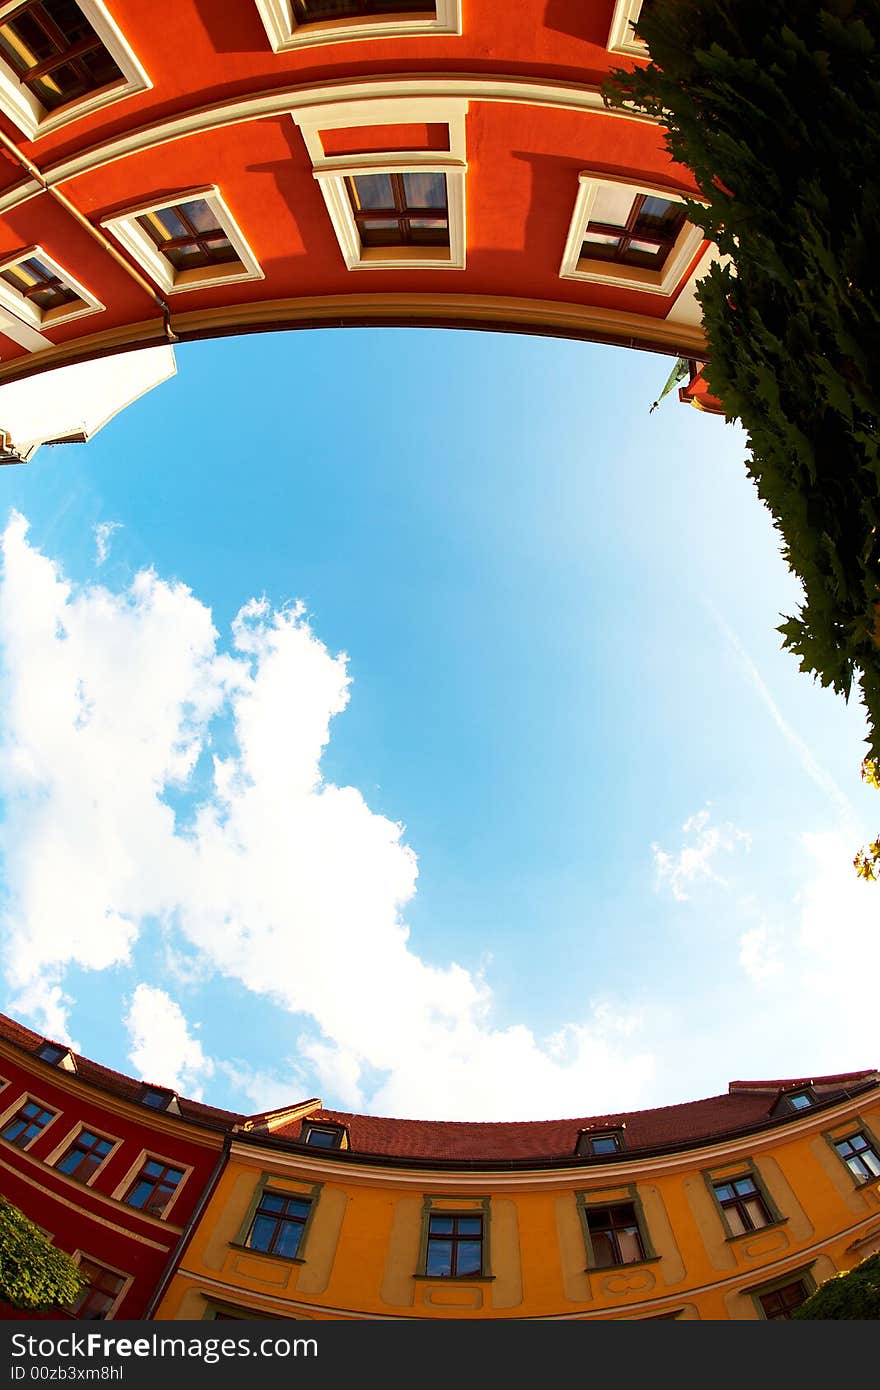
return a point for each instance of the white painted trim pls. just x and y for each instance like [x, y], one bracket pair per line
[295, 100]
[331, 171]
[140, 247]
[621, 38]
[285, 33]
[577, 267]
[12, 327]
[28, 113]
[31, 314]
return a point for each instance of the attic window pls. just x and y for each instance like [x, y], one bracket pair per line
[800, 1100]
[323, 1136]
[158, 1099]
[297, 23]
[599, 1143]
[57, 1056]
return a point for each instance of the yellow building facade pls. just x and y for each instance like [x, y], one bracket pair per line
[730, 1208]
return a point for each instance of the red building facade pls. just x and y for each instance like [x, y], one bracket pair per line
[112, 1169]
[180, 169]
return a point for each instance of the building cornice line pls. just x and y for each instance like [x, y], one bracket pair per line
[566, 96]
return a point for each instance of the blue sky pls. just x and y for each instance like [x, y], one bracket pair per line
[633, 819]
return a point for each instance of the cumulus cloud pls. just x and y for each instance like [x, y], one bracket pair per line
[274, 877]
[162, 1048]
[695, 862]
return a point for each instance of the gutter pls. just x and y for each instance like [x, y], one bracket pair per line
[94, 232]
[188, 1232]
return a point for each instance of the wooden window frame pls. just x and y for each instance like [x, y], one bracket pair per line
[802, 1275]
[126, 1184]
[284, 31]
[442, 1205]
[28, 1098]
[31, 314]
[666, 282]
[736, 1172]
[62, 1148]
[331, 172]
[124, 227]
[128, 1280]
[280, 1220]
[277, 1183]
[591, 1201]
[861, 1132]
[27, 112]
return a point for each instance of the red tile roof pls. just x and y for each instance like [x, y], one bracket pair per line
[746, 1105]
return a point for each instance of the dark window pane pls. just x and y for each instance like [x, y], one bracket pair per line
[288, 1239]
[439, 1257]
[604, 1252]
[470, 1257]
[604, 1144]
[323, 1138]
[372, 191]
[424, 190]
[262, 1232]
[630, 1245]
[441, 1225]
[470, 1225]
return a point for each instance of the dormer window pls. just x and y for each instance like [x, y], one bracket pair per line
[57, 1056]
[159, 1099]
[324, 1136]
[799, 1100]
[600, 1143]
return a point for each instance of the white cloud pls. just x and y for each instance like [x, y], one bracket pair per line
[695, 862]
[759, 954]
[103, 531]
[163, 1050]
[280, 880]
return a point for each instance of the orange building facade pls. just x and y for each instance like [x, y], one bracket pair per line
[730, 1208]
[182, 170]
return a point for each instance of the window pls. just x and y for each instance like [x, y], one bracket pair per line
[60, 59]
[296, 23]
[84, 1156]
[101, 1291]
[742, 1205]
[400, 209]
[455, 1246]
[28, 1121]
[37, 290]
[799, 1100]
[157, 1099]
[57, 1056]
[637, 238]
[189, 243]
[615, 1235]
[781, 1302]
[392, 208]
[153, 1187]
[600, 1143]
[278, 1224]
[323, 1136]
[859, 1156]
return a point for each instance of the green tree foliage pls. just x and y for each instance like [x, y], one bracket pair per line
[775, 107]
[33, 1273]
[855, 1295]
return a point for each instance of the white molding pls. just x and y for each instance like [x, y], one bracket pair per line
[285, 33]
[598, 272]
[141, 248]
[621, 38]
[29, 313]
[331, 171]
[27, 112]
[299, 100]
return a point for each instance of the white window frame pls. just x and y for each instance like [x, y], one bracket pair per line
[577, 267]
[621, 38]
[139, 245]
[285, 32]
[26, 110]
[30, 313]
[151, 1156]
[331, 171]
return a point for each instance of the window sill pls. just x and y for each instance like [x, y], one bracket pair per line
[770, 1226]
[267, 1254]
[455, 1278]
[628, 1264]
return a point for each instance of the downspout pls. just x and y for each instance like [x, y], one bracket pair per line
[188, 1231]
[94, 232]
